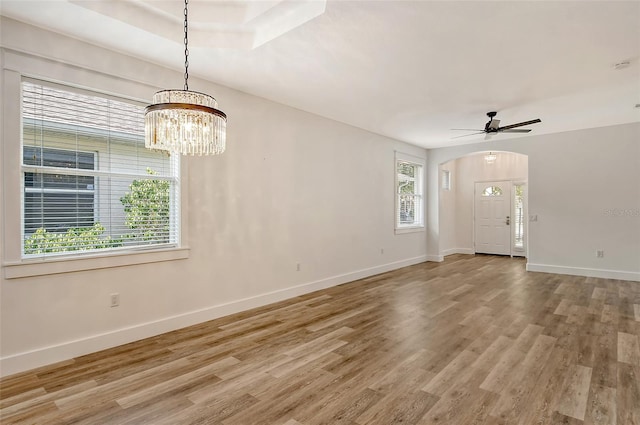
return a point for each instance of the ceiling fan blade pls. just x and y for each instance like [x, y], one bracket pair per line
[518, 130]
[472, 134]
[520, 124]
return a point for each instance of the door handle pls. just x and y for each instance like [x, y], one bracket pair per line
[508, 221]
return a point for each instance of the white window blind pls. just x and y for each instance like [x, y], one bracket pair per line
[89, 184]
[409, 201]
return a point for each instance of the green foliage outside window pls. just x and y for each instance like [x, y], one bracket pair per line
[146, 207]
[147, 214]
[75, 239]
[406, 178]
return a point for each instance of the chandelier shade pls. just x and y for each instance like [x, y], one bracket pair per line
[184, 121]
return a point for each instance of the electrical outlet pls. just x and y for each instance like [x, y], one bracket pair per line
[600, 253]
[381, 250]
[298, 267]
[115, 300]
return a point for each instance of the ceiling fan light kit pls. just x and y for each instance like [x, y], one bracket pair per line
[493, 126]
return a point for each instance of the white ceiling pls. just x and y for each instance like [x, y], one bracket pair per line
[411, 70]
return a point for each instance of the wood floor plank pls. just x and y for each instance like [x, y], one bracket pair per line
[559, 419]
[628, 348]
[442, 308]
[150, 392]
[471, 340]
[108, 391]
[399, 373]
[628, 394]
[484, 338]
[45, 397]
[405, 408]
[601, 406]
[488, 359]
[306, 348]
[44, 413]
[547, 390]
[220, 388]
[20, 386]
[212, 412]
[489, 296]
[460, 290]
[297, 362]
[573, 401]
[517, 391]
[609, 314]
[481, 315]
[346, 411]
[564, 308]
[337, 406]
[337, 318]
[443, 380]
[299, 391]
[462, 402]
[500, 373]
[599, 293]
[605, 366]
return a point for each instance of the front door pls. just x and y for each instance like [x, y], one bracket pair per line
[492, 221]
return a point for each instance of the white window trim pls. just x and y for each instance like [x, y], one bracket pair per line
[10, 166]
[66, 264]
[401, 156]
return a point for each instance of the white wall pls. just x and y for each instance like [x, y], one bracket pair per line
[291, 188]
[584, 187]
[456, 206]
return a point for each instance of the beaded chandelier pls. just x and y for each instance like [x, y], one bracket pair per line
[184, 121]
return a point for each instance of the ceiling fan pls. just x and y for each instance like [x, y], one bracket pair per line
[493, 127]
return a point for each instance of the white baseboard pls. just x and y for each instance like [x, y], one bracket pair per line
[580, 271]
[466, 251]
[20, 362]
[435, 258]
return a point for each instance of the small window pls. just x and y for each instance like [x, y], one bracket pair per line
[446, 180]
[492, 191]
[409, 192]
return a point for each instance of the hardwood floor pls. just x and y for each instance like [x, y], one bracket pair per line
[472, 340]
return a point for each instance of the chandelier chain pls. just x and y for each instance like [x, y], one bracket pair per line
[186, 47]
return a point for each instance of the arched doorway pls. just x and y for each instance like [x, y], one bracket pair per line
[483, 204]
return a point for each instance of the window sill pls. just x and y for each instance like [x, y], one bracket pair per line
[42, 267]
[409, 229]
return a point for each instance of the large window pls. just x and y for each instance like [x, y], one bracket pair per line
[89, 184]
[409, 192]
